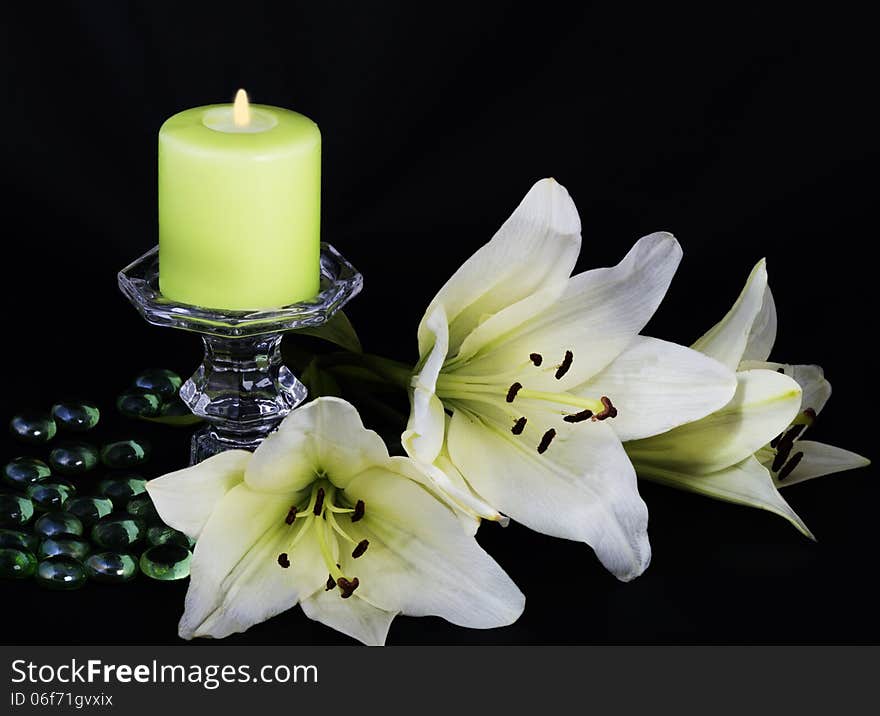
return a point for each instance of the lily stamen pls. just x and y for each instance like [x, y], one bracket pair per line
[564, 366]
[360, 549]
[546, 439]
[331, 520]
[319, 502]
[359, 510]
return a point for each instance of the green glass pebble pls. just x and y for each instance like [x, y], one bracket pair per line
[36, 427]
[23, 471]
[125, 453]
[111, 567]
[58, 523]
[76, 416]
[65, 545]
[73, 458]
[118, 530]
[142, 506]
[139, 404]
[164, 382]
[15, 510]
[61, 573]
[16, 563]
[50, 495]
[121, 489]
[163, 534]
[175, 409]
[166, 562]
[88, 509]
[19, 540]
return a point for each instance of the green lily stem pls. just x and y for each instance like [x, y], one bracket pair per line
[394, 372]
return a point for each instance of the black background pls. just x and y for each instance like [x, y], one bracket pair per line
[746, 133]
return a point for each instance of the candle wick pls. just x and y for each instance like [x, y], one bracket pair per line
[241, 109]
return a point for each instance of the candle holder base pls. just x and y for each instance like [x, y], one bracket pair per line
[242, 388]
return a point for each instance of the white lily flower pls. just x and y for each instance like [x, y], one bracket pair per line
[320, 515]
[752, 446]
[543, 374]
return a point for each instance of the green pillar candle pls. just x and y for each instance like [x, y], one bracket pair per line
[239, 206]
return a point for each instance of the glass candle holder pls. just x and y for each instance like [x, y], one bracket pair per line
[242, 388]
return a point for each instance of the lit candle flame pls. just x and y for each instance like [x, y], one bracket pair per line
[241, 109]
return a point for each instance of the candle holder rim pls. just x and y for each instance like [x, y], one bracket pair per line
[340, 282]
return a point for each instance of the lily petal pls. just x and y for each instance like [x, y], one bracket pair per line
[726, 341]
[325, 435]
[423, 437]
[820, 459]
[657, 386]
[763, 333]
[536, 247]
[764, 405]
[596, 318]
[746, 483]
[236, 580]
[354, 616]
[186, 498]
[420, 562]
[582, 488]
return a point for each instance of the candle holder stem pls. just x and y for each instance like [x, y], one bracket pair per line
[243, 390]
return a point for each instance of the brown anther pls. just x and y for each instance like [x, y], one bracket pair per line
[536, 358]
[283, 560]
[347, 587]
[782, 453]
[361, 548]
[794, 432]
[512, 391]
[331, 584]
[519, 426]
[565, 365]
[780, 370]
[810, 414]
[359, 509]
[291, 516]
[609, 412]
[546, 440]
[775, 441]
[319, 502]
[789, 466]
[578, 417]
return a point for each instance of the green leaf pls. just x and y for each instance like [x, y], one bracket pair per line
[338, 330]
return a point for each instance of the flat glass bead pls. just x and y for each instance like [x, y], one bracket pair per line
[88, 509]
[142, 506]
[175, 409]
[125, 453]
[166, 562]
[76, 416]
[50, 495]
[36, 427]
[139, 404]
[15, 510]
[61, 573]
[118, 530]
[111, 567]
[23, 471]
[58, 523]
[19, 540]
[121, 489]
[17, 563]
[163, 534]
[164, 382]
[65, 545]
[73, 458]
